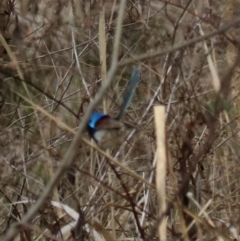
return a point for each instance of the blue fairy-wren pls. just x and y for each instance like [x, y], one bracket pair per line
[107, 131]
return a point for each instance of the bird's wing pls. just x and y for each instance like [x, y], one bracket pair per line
[109, 123]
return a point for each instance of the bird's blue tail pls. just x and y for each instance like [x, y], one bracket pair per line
[132, 84]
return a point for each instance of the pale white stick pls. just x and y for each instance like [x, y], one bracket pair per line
[159, 116]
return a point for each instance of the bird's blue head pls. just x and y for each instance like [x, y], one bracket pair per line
[94, 118]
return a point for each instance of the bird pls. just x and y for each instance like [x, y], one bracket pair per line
[106, 131]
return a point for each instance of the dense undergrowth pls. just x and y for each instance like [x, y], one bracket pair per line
[51, 67]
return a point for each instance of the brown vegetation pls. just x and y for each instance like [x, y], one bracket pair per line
[54, 57]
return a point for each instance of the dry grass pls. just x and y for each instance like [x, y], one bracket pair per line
[54, 58]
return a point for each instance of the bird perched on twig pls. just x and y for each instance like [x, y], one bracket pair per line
[107, 131]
